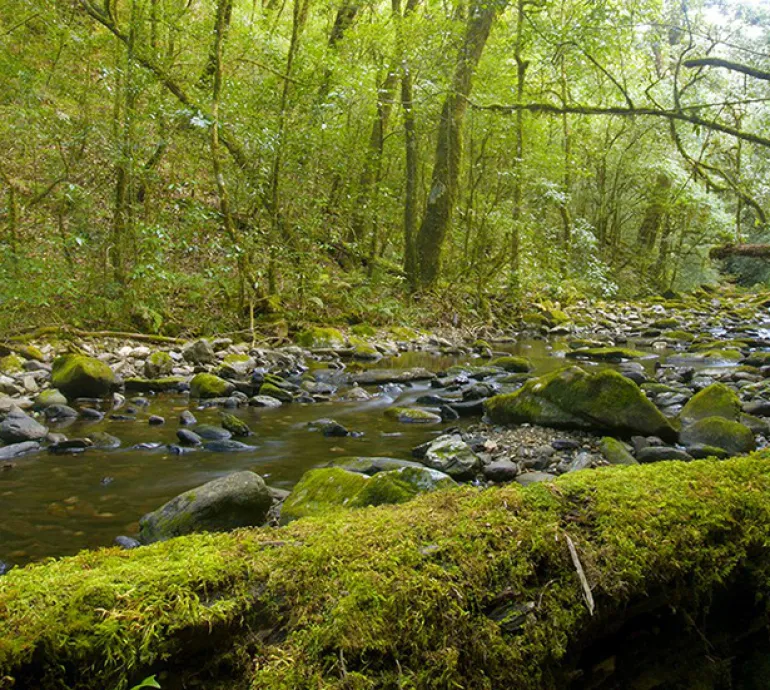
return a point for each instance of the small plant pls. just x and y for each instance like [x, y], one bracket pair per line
[149, 682]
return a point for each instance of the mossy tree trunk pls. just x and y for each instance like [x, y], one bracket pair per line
[464, 588]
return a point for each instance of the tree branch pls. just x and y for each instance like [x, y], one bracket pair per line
[727, 64]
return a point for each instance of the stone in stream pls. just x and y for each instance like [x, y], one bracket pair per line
[329, 428]
[51, 396]
[158, 364]
[581, 461]
[718, 432]
[91, 413]
[188, 438]
[211, 432]
[511, 364]
[104, 441]
[126, 543]
[187, 418]
[760, 408]
[615, 452]
[210, 386]
[716, 400]
[58, 412]
[199, 352]
[658, 453]
[264, 401]
[270, 390]
[468, 408]
[227, 446]
[16, 450]
[237, 427]
[412, 415]
[156, 420]
[573, 398]
[79, 376]
[4, 568]
[19, 426]
[452, 456]
[378, 377]
[448, 414]
[241, 499]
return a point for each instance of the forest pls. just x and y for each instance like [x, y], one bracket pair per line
[403, 345]
[187, 165]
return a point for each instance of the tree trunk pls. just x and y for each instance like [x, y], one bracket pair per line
[446, 168]
[518, 182]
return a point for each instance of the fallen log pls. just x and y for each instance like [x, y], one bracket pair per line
[759, 251]
[466, 588]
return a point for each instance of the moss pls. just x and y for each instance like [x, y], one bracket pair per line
[50, 396]
[399, 486]
[615, 452]
[670, 322]
[363, 349]
[321, 338]
[404, 333]
[274, 392]
[720, 355]
[363, 330]
[717, 345]
[235, 425]
[12, 364]
[401, 593]
[158, 364]
[572, 398]
[480, 345]
[412, 415]
[78, 376]
[209, 386]
[517, 365]
[30, 352]
[716, 400]
[167, 383]
[758, 359]
[236, 358]
[607, 354]
[681, 336]
[731, 436]
[319, 491]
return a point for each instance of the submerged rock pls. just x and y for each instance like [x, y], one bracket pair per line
[78, 376]
[241, 499]
[573, 398]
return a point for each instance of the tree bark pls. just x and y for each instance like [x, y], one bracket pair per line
[446, 168]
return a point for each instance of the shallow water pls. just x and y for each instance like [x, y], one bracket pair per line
[57, 505]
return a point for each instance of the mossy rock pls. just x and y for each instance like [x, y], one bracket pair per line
[363, 349]
[48, 397]
[400, 485]
[321, 338]
[372, 465]
[716, 400]
[607, 354]
[210, 386]
[240, 499]
[615, 452]
[319, 491]
[161, 385]
[273, 391]
[12, 364]
[758, 359]
[235, 425]
[669, 322]
[572, 398]
[79, 376]
[363, 330]
[404, 333]
[412, 415]
[718, 355]
[709, 345]
[680, 336]
[30, 352]
[158, 364]
[733, 437]
[480, 345]
[516, 365]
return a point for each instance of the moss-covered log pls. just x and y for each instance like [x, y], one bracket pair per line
[464, 588]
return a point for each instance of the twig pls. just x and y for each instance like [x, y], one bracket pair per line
[581, 575]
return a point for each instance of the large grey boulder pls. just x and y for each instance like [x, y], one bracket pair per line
[241, 499]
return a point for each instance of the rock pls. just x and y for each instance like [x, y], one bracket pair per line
[382, 376]
[78, 376]
[91, 413]
[187, 418]
[564, 444]
[104, 441]
[716, 400]
[372, 466]
[12, 364]
[199, 352]
[516, 365]
[211, 432]
[534, 477]
[581, 461]
[321, 338]
[452, 456]
[158, 364]
[19, 426]
[188, 438]
[401, 485]
[210, 386]
[272, 391]
[502, 470]
[468, 408]
[264, 401]
[606, 354]
[364, 350]
[412, 415]
[237, 427]
[16, 450]
[156, 420]
[4, 568]
[51, 396]
[161, 385]
[329, 428]
[58, 412]
[227, 446]
[320, 490]
[733, 437]
[658, 453]
[126, 543]
[615, 452]
[241, 499]
[701, 452]
[572, 398]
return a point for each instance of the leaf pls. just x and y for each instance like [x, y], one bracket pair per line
[317, 301]
[149, 682]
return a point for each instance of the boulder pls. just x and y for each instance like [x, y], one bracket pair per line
[716, 400]
[18, 427]
[502, 470]
[79, 376]
[733, 437]
[50, 396]
[572, 398]
[516, 365]
[199, 352]
[321, 338]
[401, 485]
[241, 499]
[452, 456]
[158, 364]
[615, 452]
[270, 390]
[210, 386]
[235, 425]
